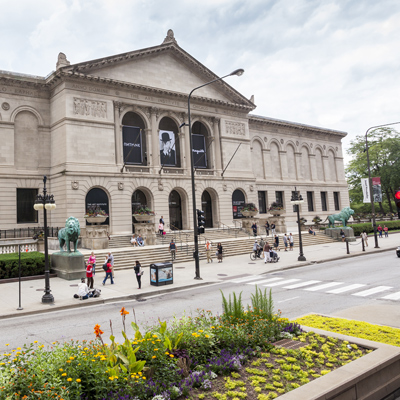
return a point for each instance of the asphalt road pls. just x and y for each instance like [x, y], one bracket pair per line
[365, 288]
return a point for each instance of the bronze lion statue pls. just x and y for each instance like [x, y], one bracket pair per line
[69, 234]
[343, 217]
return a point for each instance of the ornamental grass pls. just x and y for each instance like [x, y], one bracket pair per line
[231, 356]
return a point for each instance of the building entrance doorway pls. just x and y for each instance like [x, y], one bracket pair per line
[175, 210]
[238, 201]
[206, 206]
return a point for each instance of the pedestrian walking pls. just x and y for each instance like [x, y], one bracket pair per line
[273, 232]
[276, 243]
[342, 235]
[380, 230]
[261, 243]
[208, 247]
[161, 221]
[285, 241]
[254, 227]
[108, 274]
[267, 249]
[111, 261]
[92, 260]
[138, 273]
[291, 242]
[267, 228]
[172, 249]
[364, 237]
[386, 230]
[89, 275]
[161, 228]
[219, 252]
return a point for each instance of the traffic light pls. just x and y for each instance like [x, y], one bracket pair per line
[201, 221]
[397, 201]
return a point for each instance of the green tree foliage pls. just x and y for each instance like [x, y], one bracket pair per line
[384, 157]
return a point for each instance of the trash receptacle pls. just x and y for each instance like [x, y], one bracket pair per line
[161, 274]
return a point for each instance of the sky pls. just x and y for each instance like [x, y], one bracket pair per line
[328, 63]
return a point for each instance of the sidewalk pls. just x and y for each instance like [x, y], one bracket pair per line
[125, 286]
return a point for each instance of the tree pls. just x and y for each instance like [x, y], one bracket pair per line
[384, 157]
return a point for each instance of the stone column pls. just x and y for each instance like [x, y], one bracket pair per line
[313, 166]
[118, 134]
[155, 142]
[327, 172]
[297, 157]
[149, 147]
[182, 144]
[185, 148]
[217, 146]
[284, 164]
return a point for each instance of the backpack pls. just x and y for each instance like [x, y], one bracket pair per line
[105, 266]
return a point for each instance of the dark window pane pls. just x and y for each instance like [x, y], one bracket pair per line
[310, 201]
[336, 200]
[262, 205]
[279, 197]
[323, 201]
[25, 201]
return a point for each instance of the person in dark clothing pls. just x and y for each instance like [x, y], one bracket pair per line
[138, 272]
[254, 227]
[276, 243]
[219, 251]
[267, 228]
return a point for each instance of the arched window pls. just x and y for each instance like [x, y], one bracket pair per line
[200, 142]
[206, 206]
[175, 210]
[26, 141]
[97, 199]
[134, 144]
[139, 200]
[170, 152]
[238, 201]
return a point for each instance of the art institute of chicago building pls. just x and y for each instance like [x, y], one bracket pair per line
[98, 130]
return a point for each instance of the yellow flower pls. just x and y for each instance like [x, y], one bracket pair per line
[207, 336]
[155, 349]
[69, 379]
[154, 357]
[171, 355]
[33, 342]
[144, 377]
[61, 370]
[78, 380]
[64, 374]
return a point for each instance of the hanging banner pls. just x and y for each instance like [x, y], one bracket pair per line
[365, 189]
[199, 151]
[132, 144]
[377, 190]
[167, 148]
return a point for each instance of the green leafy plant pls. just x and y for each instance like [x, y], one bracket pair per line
[143, 211]
[233, 308]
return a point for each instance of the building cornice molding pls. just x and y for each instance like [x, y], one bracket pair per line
[294, 125]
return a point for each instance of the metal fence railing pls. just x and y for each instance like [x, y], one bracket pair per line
[17, 233]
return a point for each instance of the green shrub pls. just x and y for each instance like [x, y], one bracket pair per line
[32, 263]
[367, 226]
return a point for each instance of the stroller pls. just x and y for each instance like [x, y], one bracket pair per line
[273, 256]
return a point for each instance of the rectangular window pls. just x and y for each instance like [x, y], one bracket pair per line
[262, 202]
[25, 201]
[310, 201]
[294, 205]
[336, 199]
[279, 197]
[323, 202]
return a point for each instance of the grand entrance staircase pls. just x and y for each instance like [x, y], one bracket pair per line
[234, 242]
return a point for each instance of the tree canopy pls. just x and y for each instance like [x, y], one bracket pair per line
[384, 157]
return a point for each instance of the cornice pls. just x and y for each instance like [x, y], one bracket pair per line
[303, 127]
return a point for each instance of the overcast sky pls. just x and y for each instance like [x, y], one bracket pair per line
[328, 63]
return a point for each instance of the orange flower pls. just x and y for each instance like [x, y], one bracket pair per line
[123, 311]
[97, 330]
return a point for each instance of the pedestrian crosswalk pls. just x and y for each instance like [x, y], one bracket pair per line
[354, 289]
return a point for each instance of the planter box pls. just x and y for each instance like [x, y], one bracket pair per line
[143, 217]
[276, 212]
[249, 213]
[96, 220]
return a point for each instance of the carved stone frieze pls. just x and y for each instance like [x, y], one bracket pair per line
[235, 128]
[120, 185]
[5, 106]
[251, 188]
[93, 108]
[225, 187]
[155, 111]
[265, 139]
[160, 185]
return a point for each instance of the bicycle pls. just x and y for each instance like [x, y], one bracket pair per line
[254, 256]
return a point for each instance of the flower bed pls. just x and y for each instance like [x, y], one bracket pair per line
[204, 357]
[363, 330]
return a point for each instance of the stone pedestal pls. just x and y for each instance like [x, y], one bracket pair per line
[68, 265]
[147, 230]
[280, 223]
[335, 233]
[95, 237]
[248, 222]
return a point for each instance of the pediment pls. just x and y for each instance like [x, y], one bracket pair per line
[166, 67]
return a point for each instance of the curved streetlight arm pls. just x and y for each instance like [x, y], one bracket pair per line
[195, 231]
[370, 180]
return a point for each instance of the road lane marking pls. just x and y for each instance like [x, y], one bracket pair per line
[324, 286]
[393, 296]
[292, 298]
[346, 288]
[282, 282]
[372, 291]
[264, 281]
[301, 284]
[247, 278]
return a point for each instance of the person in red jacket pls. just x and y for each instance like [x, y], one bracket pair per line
[89, 275]
[108, 274]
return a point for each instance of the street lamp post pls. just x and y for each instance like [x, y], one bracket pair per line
[46, 203]
[296, 200]
[370, 181]
[237, 72]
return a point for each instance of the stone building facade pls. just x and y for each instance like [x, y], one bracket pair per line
[69, 126]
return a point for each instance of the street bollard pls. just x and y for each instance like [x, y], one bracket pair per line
[362, 244]
[347, 246]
